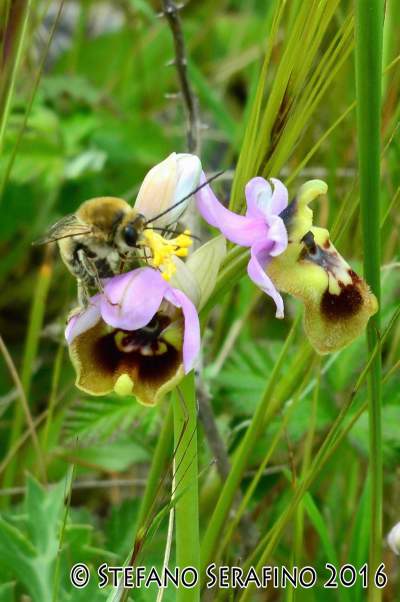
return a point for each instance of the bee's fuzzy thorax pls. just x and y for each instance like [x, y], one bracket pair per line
[103, 213]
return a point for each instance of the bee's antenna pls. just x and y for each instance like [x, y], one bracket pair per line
[170, 231]
[214, 177]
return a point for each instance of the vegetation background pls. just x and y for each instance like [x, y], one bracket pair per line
[87, 106]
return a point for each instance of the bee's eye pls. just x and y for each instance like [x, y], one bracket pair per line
[130, 235]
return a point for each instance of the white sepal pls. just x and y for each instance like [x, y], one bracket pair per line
[204, 264]
[186, 281]
[166, 184]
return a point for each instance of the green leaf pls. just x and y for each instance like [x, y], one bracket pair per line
[43, 509]
[95, 420]
[29, 542]
[90, 161]
[19, 555]
[116, 456]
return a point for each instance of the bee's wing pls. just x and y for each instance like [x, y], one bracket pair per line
[66, 227]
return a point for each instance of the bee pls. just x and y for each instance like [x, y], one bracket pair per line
[94, 241]
[102, 236]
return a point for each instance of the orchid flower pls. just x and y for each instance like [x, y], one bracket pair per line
[338, 302]
[142, 334]
[162, 188]
[262, 229]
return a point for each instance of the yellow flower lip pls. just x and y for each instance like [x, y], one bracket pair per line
[162, 250]
[145, 363]
[337, 302]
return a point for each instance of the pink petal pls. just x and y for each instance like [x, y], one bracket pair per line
[280, 197]
[86, 319]
[262, 201]
[131, 300]
[277, 234]
[260, 255]
[239, 229]
[191, 336]
[258, 196]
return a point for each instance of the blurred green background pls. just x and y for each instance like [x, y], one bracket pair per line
[88, 116]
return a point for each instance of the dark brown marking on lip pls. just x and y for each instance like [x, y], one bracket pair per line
[327, 244]
[343, 306]
[153, 369]
[354, 276]
[106, 354]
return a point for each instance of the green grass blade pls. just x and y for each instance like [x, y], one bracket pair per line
[369, 40]
[187, 504]
[229, 489]
[30, 353]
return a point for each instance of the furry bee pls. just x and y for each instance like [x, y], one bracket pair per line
[101, 235]
[94, 241]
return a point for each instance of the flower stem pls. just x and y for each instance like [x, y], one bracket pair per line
[186, 493]
[155, 479]
[171, 12]
[158, 466]
[369, 37]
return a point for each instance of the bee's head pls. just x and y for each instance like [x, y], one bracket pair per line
[128, 232]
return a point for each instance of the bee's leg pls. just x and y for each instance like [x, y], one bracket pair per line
[90, 271]
[83, 300]
[92, 274]
[95, 276]
[83, 294]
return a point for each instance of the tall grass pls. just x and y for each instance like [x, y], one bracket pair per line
[186, 490]
[369, 40]
[30, 353]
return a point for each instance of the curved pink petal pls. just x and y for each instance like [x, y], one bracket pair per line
[260, 255]
[131, 300]
[191, 336]
[277, 235]
[258, 194]
[86, 319]
[262, 201]
[240, 229]
[280, 197]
